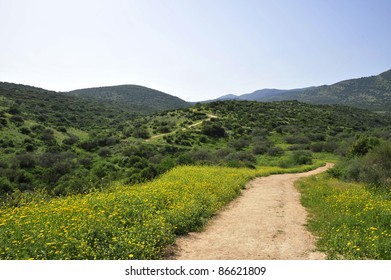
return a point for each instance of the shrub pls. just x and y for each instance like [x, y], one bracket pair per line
[223, 153]
[25, 130]
[62, 129]
[275, 151]
[201, 155]
[14, 111]
[26, 160]
[184, 159]
[238, 144]
[72, 139]
[3, 122]
[88, 145]
[103, 169]
[213, 130]
[48, 137]
[5, 185]
[297, 139]
[140, 132]
[316, 136]
[374, 168]
[286, 162]
[330, 146]
[302, 157]
[165, 164]
[86, 162]
[362, 146]
[317, 147]
[104, 152]
[297, 147]
[18, 120]
[243, 156]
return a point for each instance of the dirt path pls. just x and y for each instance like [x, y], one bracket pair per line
[266, 222]
[183, 129]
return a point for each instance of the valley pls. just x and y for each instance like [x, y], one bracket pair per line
[146, 173]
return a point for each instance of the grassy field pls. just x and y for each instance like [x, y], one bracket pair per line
[351, 221]
[123, 222]
[139, 222]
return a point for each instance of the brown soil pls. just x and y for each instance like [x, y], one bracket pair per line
[266, 222]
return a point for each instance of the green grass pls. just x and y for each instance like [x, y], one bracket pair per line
[82, 135]
[351, 221]
[326, 157]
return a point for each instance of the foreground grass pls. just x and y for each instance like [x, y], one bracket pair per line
[351, 221]
[126, 222]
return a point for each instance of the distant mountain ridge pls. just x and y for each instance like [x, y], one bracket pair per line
[134, 95]
[258, 95]
[373, 93]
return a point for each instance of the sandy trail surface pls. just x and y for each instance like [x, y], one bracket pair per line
[266, 222]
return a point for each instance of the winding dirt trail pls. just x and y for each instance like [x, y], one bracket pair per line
[210, 116]
[266, 222]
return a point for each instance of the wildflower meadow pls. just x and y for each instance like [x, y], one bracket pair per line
[125, 222]
[351, 220]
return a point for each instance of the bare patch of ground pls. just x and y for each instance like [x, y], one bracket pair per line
[266, 222]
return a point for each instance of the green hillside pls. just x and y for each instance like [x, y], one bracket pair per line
[59, 109]
[146, 100]
[56, 144]
[372, 93]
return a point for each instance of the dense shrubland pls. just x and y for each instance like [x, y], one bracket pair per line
[58, 145]
[369, 162]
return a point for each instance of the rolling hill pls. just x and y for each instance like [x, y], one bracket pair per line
[60, 109]
[85, 108]
[372, 93]
[144, 99]
[259, 95]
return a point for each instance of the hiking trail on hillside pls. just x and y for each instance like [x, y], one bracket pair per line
[266, 222]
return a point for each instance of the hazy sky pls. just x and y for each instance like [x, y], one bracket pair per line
[195, 50]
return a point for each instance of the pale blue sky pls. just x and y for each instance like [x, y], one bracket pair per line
[195, 50]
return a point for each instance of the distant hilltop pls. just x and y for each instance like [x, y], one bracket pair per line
[134, 98]
[373, 93]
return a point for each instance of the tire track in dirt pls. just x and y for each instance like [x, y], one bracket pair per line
[266, 222]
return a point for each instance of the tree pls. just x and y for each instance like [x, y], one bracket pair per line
[141, 132]
[213, 130]
[362, 146]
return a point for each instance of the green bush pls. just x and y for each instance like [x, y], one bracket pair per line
[317, 147]
[362, 146]
[201, 155]
[330, 146]
[241, 159]
[297, 139]
[302, 157]
[260, 148]
[374, 168]
[212, 129]
[5, 185]
[275, 151]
